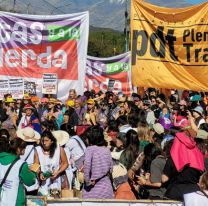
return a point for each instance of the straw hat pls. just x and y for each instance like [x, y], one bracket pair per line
[158, 128]
[90, 101]
[52, 100]
[70, 103]
[35, 99]
[61, 136]
[28, 134]
[28, 106]
[9, 100]
[27, 96]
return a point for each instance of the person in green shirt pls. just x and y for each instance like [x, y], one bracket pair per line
[8, 153]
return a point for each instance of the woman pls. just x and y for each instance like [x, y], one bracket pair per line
[184, 166]
[144, 135]
[13, 193]
[200, 197]
[97, 167]
[90, 115]
[52, 160]
[153, 166]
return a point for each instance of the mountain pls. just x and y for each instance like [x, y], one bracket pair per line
[103, 13]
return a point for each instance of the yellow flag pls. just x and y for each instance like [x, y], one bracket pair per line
[169, 46]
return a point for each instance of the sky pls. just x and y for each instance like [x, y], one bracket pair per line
[196, 1]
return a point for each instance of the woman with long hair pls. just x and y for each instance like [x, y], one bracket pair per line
[52, 160]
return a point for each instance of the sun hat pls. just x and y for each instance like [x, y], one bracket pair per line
[199, 110]
[182, 103]
[195, 98]
[9, 100]
[35, 99]
[202, 134]
[52, 100]
[44, 100]
[28, 134]
[90, 101]
[28, 106]
[61, 136]
[70, 103]
[27, 96]
[159, 129]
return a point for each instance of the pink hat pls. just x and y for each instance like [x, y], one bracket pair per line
[44, 100]
[184, 124]
[182, 103]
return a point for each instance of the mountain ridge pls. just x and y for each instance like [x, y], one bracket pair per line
[103, 13]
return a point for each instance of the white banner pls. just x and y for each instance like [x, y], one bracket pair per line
[32, 45]
[49, 85]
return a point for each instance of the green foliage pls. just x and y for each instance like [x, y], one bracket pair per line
[105, 43]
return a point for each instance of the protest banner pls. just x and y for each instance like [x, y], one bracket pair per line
[4, 88]
[32, 45]
[169, 46]
[49, 85]
[29, 88]
[100, 70]
[16, 88]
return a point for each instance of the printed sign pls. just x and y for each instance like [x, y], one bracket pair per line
[49, 84]
[29, 88]
[16, 88]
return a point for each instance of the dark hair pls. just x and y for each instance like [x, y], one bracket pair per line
[4, 133]
[50, 125]
[151, 151]
[68, 128]
[15, 144]
[4, 144]
[113, 126]
[53, 146]
[122, 120]
[96, 136]
[129, 155]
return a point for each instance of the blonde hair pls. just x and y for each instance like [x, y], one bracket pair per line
[144, 133]
[204, 181]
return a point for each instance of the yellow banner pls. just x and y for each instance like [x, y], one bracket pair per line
[169, 46]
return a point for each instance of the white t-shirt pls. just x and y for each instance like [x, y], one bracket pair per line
[195, 199]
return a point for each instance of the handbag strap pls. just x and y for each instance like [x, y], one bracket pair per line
[7, 172]
[29, 153]
[79, 143]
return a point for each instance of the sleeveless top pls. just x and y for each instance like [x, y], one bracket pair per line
[52, 165]
[9, 191]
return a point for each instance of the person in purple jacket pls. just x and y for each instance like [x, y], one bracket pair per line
[97, 167]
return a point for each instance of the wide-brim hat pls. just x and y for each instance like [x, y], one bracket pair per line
[52, 100]
[61, 136]
[199, 110]
[28, 134]
[158, 128]
[9, 100]
[70, 103]
[90, 101]
[35, 99]
[202, 134]
[28, 106]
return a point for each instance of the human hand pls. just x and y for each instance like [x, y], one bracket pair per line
[42, 178]
[54, 175]
[142, 180]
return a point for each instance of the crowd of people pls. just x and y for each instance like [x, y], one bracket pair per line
[105, 146]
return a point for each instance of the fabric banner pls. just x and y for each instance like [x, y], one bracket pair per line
[169, 46]
[100, 70]
[32, 45]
